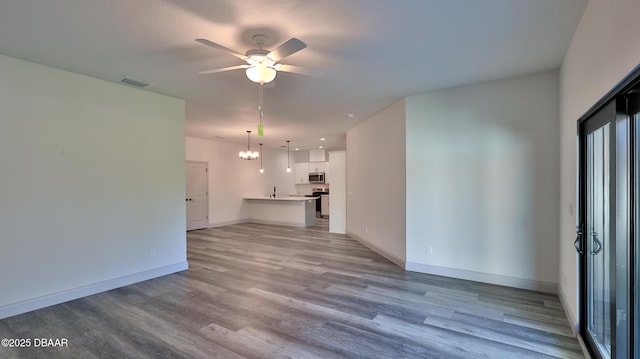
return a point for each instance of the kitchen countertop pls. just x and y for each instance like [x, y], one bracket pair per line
[281, 198]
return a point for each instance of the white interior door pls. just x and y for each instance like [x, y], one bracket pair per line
[197, 194]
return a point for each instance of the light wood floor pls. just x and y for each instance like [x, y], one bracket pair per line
[259, 291]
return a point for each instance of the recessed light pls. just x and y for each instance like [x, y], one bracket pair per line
[320, 147]
[297, 149]
[322, 139]
[350, 115]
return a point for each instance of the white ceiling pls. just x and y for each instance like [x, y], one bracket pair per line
[372, 53]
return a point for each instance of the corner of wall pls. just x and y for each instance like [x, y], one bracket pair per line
[376, 181]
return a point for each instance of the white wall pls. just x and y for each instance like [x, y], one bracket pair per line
[376, 182]
[482, 187]
[91, 186]
[605, 47]
[338, 193]
[231, 179]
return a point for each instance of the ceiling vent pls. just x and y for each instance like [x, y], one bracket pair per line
[135, 83]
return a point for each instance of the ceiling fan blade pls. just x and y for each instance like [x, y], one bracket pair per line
[293, 45]
[299, 70]
[220, 47]
[237, 67]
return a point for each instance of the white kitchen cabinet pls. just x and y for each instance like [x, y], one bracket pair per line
[324, 205]
[301, 172]
[317, 167]
[317, 155]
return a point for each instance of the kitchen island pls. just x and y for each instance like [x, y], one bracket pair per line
[284, 211]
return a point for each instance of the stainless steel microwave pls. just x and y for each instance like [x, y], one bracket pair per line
[316, 177]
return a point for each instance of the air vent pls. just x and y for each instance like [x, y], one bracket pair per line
[135, 83]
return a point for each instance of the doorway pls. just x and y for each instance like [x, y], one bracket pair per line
[608, 235]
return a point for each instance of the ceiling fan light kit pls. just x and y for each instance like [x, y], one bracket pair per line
[262, 65]
[261, 73]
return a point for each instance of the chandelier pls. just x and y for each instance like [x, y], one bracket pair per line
[248, 154]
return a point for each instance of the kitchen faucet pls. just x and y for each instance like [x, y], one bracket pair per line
[274, 191]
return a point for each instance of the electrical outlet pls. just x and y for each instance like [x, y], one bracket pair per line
[429, 249]
[366, 229]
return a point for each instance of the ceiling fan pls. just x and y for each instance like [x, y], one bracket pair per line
[262, 65]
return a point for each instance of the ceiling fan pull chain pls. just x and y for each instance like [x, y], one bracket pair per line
[260, 112]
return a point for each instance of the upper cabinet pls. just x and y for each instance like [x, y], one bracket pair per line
[317, 167]
[317, 156]
[301, 172]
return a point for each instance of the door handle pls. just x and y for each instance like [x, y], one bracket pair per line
[578, 242]
[597, 241]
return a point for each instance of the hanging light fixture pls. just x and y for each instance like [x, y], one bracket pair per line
[261, 169]
[288, 166]
[248, 154]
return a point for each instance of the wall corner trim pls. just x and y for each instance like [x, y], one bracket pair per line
[90, 289]
[497, 279]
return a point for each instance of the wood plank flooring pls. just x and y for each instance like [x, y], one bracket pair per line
[260, 291]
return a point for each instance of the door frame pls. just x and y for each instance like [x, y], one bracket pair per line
[594, 122]
[615, 94]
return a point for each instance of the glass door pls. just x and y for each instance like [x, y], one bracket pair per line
[633, 105]
[597, 232]
[609, 225]
[598, 240]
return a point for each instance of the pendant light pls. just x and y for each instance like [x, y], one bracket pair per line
[261, 169]
[288, 166]
[248, 154]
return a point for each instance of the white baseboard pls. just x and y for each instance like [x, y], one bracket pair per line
[575, 324]
[277, 223]
[400, 262]
[227, 223]
[87, 290]
[522, 283]
[583, 346]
